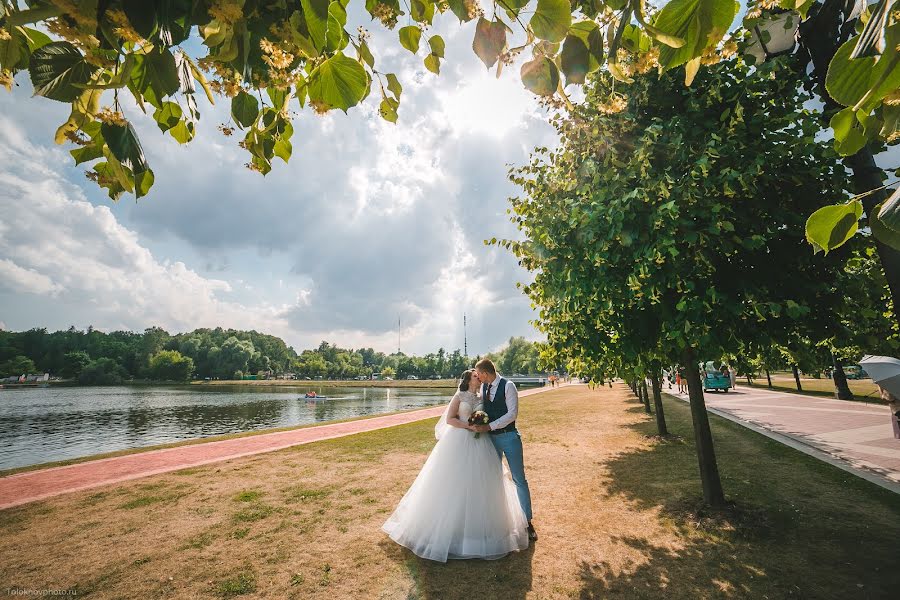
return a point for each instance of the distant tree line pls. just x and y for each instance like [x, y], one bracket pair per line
[95, 357]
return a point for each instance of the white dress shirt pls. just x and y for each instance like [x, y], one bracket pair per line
[512, 403]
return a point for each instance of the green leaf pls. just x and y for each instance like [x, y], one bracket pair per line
[884, 234]
[56, 69]
[87, 153]
[394, 85]
[872, 35]
[13, 52]
[143, 181]
[437, 45]
[168, 116]
[540, 76]
[575, 59]
[278, 96]
[849, 135]
[283, 149]
[183, 132]
[422, 11]
[365, 54]
[889, 212]
[460, 10]
[551, 19]
[409, 37]
[433, 63]
[388, 110]
[123, 142]
[316, 14]
[697, 23]
[244, 109]
[34, 38]
[336, 38]
[831, 226]
[490, 41]
[142, 16]
[849, 81]
[339, 82]
[154, 76]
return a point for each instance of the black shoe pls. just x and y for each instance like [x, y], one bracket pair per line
[532, 534]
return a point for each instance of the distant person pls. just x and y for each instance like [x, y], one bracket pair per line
[732, 375]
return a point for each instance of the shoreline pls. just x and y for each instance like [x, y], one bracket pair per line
[288, 383]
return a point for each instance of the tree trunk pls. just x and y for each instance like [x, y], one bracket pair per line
[868, 176]
[769, 377]
[646, 396]
[706, 455]
[748, 379]
[797, 377]
[841, 388]
[657, 403]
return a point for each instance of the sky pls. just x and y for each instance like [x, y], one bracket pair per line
[369, 222]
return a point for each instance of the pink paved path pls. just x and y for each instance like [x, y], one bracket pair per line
[855, 433]
[30, 486]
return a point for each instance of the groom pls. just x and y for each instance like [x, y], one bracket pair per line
[501, 402]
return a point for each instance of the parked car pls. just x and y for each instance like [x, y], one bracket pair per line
[411, 377]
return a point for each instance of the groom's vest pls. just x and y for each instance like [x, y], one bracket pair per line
[496, 406]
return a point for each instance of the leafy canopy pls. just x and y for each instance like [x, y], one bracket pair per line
[264, 56]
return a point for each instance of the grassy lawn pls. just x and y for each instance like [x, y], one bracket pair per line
[863, 389]
[615, 508]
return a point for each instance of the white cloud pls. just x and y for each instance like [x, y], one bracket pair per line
[369, 222]
[55, 243]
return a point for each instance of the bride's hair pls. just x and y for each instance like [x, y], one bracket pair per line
[465, 379]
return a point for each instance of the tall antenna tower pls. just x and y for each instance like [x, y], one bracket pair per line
[398, 334]
[465, 338]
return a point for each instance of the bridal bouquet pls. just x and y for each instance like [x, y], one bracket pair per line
[479, 417]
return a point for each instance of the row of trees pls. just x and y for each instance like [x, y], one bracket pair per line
[107, 358]
[679, 236]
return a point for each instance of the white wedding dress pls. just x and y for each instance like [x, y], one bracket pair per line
[462, 504]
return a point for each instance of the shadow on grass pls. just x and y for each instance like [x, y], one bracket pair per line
[794, 528]
[508, 578]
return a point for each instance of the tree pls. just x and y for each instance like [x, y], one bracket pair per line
[103, 371]
[677, 225]
[233, 356]
[170, 365]
[74, 363]
[388, 372]
[17, 365]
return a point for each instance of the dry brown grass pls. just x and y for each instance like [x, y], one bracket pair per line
[612, 505]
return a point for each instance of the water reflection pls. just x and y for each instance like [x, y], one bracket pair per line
[46, 424]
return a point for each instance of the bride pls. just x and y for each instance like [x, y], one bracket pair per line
[461, 505]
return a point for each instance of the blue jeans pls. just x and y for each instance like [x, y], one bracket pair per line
[510, 444]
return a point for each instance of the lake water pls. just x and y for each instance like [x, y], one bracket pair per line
[39, 425]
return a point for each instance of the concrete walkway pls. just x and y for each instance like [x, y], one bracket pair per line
[30, 486]
[854, 436]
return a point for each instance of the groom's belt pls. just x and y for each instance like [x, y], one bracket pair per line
[507, 429]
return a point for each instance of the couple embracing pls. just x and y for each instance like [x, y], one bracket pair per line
[462, 505]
